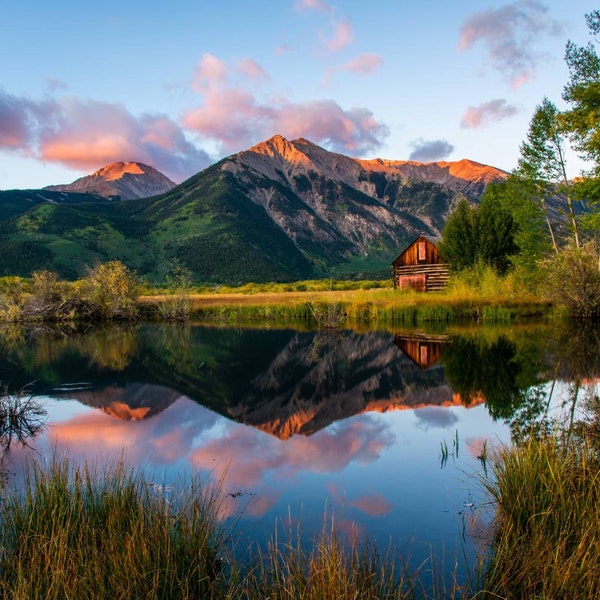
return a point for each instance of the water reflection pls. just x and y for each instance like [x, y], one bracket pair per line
[299, 422]
[287, 382]
[22, 418]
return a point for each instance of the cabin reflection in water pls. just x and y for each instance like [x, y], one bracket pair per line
[423, 349]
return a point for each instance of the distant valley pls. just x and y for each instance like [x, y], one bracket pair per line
[281, 210]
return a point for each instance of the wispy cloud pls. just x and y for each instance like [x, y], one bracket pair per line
[250, 69]
[312, 5]
[341, 37]
[364, 64]
[436, 417]
[430, 150]
[487, 113]
[372, 504]
[509, 34]
[86, 134]
[235, 117]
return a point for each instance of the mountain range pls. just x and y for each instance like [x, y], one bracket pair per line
[281, 210]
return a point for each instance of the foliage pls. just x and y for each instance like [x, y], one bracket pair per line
[573, 281]
[483, 234]
[111, 291]
[178, 306]
[516, 195]
[582, 92]
[543, 163]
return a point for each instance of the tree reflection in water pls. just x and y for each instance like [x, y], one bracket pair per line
[519, 381]
[22, 417]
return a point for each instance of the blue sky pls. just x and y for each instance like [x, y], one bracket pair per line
[179, 85]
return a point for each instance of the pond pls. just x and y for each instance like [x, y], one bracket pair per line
[385, 434]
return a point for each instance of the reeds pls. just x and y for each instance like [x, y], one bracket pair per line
[84, 533]
[331, 570]
[547, 538]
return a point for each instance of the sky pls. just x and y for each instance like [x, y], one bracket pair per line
[178, 85]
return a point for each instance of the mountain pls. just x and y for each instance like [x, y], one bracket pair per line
[279, 211]
[125, 180]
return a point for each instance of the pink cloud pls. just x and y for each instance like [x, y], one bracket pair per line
[249, 68]
[372, 504]
[236, 120]
[87, 134]
[487, 113]
[364, 64]
[163, 441]
[313, 5]
[252, 458]
[509, 34]
[209, 71]
[342, 36]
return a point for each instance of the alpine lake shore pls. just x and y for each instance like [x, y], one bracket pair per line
[104, 533]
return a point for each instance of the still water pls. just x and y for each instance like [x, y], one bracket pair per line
[384, 433]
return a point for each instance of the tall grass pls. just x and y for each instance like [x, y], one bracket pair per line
[84, 533]
[328, 571]
[547, 537]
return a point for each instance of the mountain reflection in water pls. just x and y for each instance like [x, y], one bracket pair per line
[296, 423]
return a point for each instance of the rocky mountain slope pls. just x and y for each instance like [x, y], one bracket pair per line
[279, 211]
[124, 180]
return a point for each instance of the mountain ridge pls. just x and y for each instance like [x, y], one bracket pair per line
[127, 180]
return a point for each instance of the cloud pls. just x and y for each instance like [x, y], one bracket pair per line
[509, 34]
[342, 36]
[372, 504]
[235, 118]
[364, 64]
[16, 119]
[430, 150]
[254, 460]
[162, 441]
[250, 69]
[435, 416]
[86, 134]
[319, 5]
[210, 71]
[487, 113]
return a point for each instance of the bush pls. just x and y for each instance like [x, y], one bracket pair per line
[574, 281]
[111, 291]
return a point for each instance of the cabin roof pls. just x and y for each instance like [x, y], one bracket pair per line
[432, 239]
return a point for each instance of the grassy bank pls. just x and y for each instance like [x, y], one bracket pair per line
[547, 540]
[335, 307]
[112, 293]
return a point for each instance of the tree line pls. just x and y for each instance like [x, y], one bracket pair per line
[538, 222]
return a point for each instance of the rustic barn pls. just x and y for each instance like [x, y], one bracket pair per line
[419, 266]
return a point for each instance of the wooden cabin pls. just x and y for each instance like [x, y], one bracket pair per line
[419, 267]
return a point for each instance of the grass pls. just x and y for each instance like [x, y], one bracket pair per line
[330, 570]
[547, 539]
[358, 306]
[83, 533]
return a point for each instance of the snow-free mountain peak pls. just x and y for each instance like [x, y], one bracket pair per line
[127, 180]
